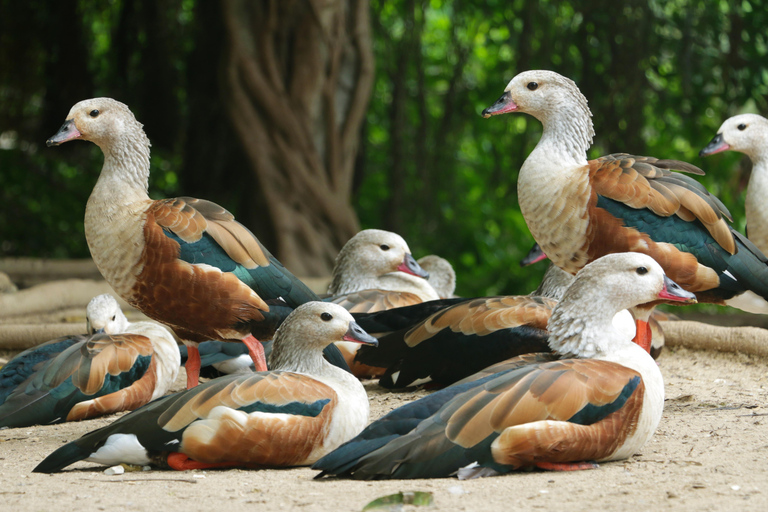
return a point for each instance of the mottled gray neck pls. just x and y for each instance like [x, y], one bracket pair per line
[554, 283]
[126, 162]
[581, 324]
[568, 129]
[292, 353]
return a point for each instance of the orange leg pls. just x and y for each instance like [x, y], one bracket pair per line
[566, 466]
[643, 335]
[181, 462]
[257, 352]
[192, 366]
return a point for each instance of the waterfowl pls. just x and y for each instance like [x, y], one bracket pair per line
[375, 259]
[118, 366]
[460, 340]
[748, 134]
[184, 262]
[290, 416]
[374, 271]
[579, 210]
[601, 401]
[442, 276]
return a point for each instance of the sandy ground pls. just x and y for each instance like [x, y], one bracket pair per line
[709, 453]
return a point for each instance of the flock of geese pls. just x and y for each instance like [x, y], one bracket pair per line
[559, 379]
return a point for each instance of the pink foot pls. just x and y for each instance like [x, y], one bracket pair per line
[192, 366]
[256, 350]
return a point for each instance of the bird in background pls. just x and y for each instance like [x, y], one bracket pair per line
[184, 262]
[579, 210]
[118, 366]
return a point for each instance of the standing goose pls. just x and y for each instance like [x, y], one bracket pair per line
[603, 403]
[290, 416]
[184, 262]
[118, 366]
[580, 210]
[748, 134]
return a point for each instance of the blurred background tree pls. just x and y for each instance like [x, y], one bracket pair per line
[660, 78]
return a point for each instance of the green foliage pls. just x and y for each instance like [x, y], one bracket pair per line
[660, 78]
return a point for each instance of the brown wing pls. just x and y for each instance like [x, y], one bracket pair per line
[485, 315]
[551, 391]
[89, 363]
[641, 186]
[270, 419]
[646, 182]
[189, 218]
[370, 301]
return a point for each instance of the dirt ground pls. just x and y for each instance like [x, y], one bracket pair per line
[709, 453]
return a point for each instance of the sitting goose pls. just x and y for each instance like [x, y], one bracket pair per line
[375, 271]
[580, 210]
[600, 399]
[184, 262]
[290, 416]
[748, 134]
[117, 366]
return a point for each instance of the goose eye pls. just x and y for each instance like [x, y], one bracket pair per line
[532, 86]
[384, 247]
[113, 317]
[742, 127]
[326, 317]
[94, 113]
[641, 271]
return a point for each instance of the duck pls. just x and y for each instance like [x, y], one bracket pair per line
[579, 210]
[375, 271]
[748, 134]
[457, 340]
[599, 397]
[184, 262]
[442, 276]
[289, 416]
[117, 366]
[375, 259]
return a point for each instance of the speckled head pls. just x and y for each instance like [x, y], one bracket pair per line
[745, 133]
[99, 120]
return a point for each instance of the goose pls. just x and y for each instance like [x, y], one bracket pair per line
[118, 366]
[748, 134]
[375, 259]
[374, 271]
[442, 276]
[460, 339]
[578, 210]
[598, 397]
[290, 416]
[184, 262]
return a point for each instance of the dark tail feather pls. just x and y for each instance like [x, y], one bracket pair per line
[61, 458]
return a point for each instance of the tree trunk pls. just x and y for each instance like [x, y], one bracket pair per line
[298, 77]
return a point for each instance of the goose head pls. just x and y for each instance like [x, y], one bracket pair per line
[442, 276]
[99, 120]
[543, 94]
[581, 322]
[745, 133]
[104, 315]
[370, 254]
[309, 329]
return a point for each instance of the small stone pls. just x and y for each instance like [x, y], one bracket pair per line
[114, 470]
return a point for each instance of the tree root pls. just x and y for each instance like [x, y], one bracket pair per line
[701, 336]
